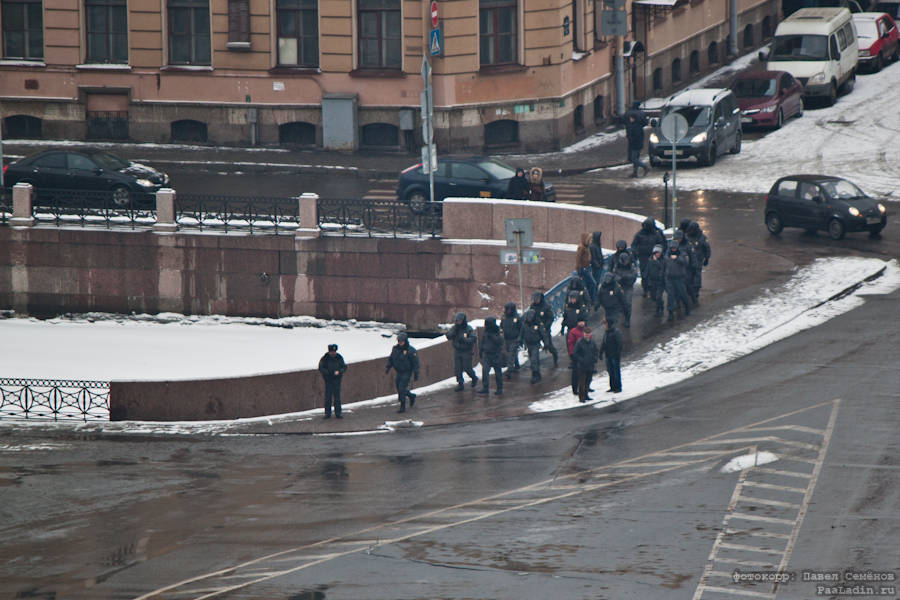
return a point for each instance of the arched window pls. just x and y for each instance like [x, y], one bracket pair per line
[504, 131]
[598, 109]
[297, 132]
[767, 27]
[712, 53]
[657, 79]
[22, 126]
[748, 35]
[676, 70]
[578, 117]
[188, 130]
[695, 63]
[380, 134]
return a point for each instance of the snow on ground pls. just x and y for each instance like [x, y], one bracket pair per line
[856, 138]
[801, 303]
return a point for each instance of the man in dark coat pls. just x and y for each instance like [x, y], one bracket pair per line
[511, 326]
[463, 339]
[585, 356]
[491, 350]
[635, 121]
[531, 337]
[545, 315]
[643, 242]
[573, 312]
[693, 264]
[675, 271]
[332, 367]
[519, 188]
[596, 258]
[611, 349]
[652, 280]
[623, 267]
[610, 296]
[702, 252]
[405, 361]
[575, 334]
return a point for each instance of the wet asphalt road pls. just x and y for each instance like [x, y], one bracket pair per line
[582, 504]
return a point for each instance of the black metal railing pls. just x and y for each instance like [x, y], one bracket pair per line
[377, 217]
[105, 208]
[5, 205]
[54, 399]
[253, 215]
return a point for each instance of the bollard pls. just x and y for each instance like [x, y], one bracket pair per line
[309, 217]
[165, 211]
[22, 205]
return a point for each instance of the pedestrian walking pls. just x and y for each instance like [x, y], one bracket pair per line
[652, 281]
[583, 264]
[611, 349]
[531, 336]
[463, 339]
[575, 334]
[644, 240]
[675, 270]
[625, 270]
[597, 263]
[545, 315]
[585, 355]
[692, 263]
[511, 326]
[700, 246]
[610, 296]
[405, 361]
[536, 179]
[332, 367]
[519, 188]
[635, 121]
[573, 313]
[576, 285]
[491, 352]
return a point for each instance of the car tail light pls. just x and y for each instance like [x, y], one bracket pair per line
[412, 168]
[4, 169]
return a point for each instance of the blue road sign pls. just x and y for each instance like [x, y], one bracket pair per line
[436, 44]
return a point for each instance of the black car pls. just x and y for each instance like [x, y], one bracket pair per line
[459, 178]
[78, 171]
[816, 202]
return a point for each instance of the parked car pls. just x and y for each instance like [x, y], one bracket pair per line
[816, 202]
[714, 126]
[464, 178]
[767, 98]
[878, 38]
[86, 170]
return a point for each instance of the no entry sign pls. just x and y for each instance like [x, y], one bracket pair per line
[434, 13]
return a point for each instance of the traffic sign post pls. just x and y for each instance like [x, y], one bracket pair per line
[519, 232]
[673, 128]
[429, 152]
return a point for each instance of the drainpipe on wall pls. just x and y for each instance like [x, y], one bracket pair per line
[620, 76]
[733, 30]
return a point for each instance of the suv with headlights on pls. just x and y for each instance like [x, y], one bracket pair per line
[714, 126]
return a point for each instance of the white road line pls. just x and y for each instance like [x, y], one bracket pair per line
[808, 461]
[800, 428]
[746, 563]
[745, 548]
[772, 486]
[767, 502]
[783, 473]
[739, 592]
[766, 534]
[746, 517]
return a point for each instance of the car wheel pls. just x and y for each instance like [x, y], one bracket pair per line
[712, 155]
[738, 139]
[878, 64]
[800, 110]
[835, 229]
[417, 201]
[121, 196]
[848, 85]
[832, 94]
[875, 231]
[779, 119]
[773, 223]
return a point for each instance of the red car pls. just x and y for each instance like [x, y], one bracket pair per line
[879, 41]
[767, 98]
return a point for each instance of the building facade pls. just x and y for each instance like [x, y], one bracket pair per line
[528, 75]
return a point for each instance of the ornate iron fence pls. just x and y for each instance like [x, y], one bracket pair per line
[377, 217]
[54, 399]
[275, 215]
[108, 208]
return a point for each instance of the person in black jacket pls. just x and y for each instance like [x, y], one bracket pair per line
[573, 312]
[611, 348]
[652, 279]
[702, 251]
[649, 235]
[531, 337]
[610, 296]
[597, 260]
[491, 351]
[519, 188]
[545, 315]
[675, 271]
[635, 121]
[511, 326]
[463, 338]
[623, 267]
[405, 361]
[332, 367]
[585, 358]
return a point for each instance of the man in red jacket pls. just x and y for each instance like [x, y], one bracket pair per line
[575, 334]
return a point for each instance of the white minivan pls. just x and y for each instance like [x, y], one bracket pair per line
[818, 47]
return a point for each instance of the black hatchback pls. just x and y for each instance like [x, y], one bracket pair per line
[79, 171]
[460, 178]
[822, 202]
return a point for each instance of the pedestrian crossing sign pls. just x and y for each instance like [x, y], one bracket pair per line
[436, 45]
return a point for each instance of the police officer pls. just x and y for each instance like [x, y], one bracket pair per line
[652, 280]
[491, 350]
[463, 339]
[643, 243]
[625, 270]
[610, 296]
[611, 349]
[332, 367]
[531, 336]
[573, 312]
[405, 361]
[700, 246]
[511, 326]
[675, 271]
[545, 315]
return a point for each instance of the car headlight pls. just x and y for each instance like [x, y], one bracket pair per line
[865, 53]
[817, 78]
[654, 139]
[882, 209]
[770, 109]
[699, 138]
[853, 211]
[144, 183]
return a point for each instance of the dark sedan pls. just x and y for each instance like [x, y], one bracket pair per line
[459, 178]
[80, 171]
[822, 202]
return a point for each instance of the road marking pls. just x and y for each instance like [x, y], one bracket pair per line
[747, 517]
[745, 548]
[767, 502]
[535, 494]
[739, 592]
[783, 473]
[771, 486]
[766, 534]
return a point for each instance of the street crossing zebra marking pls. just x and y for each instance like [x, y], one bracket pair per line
[557, 488]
